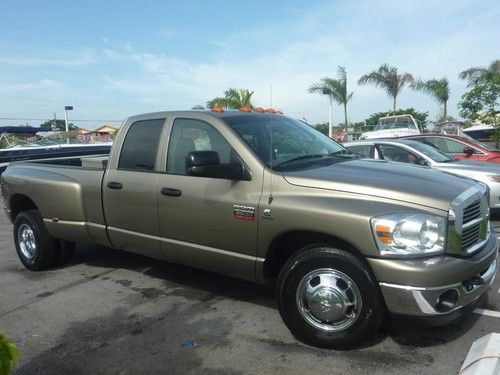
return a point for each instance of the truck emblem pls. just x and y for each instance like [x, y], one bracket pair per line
[244, 213]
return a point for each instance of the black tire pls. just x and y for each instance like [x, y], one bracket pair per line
[65, 251]
[307, 270]
[41, 255]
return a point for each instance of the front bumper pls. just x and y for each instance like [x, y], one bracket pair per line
[408, 300]
[449, 297]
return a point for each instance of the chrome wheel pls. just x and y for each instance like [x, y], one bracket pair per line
[27, 241]
[328, 299]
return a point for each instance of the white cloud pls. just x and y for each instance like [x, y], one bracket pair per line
[166, 33]
[44, 84]
[426, 38]
[56, 58]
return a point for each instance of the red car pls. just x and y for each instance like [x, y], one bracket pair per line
[461, 148]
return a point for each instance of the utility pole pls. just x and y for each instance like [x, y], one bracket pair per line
[66, 109]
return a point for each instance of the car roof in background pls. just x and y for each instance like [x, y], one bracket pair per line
[399, 140]
[434, 135]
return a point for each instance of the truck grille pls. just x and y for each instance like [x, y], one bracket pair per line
[469, 222]
[470, 235]
[471, 212]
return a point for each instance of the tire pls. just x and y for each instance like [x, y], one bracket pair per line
[64, 253]
[34, 245]
[328, 298]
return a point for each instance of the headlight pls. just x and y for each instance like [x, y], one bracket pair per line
[408, 235]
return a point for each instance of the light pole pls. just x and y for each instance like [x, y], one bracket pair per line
[66, 109]
[330, 126]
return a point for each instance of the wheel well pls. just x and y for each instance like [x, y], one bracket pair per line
[287, 244]
[20, 203]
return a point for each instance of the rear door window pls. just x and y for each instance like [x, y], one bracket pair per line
[455, 147]
[399, 154]
[141, 145]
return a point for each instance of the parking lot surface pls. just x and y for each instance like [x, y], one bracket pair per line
[116, 312]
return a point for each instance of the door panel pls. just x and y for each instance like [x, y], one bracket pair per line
[207, 222]
[131, 212]
[204, 214]
[130, 190]
[201, 227]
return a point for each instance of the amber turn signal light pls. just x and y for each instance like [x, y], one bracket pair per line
[217, 109]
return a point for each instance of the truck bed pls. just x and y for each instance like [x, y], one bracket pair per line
[46, 183]
[98, 162]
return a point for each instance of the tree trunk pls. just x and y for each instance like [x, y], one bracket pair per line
[394, 104]
[445, 112]
[330, 123]
[345, 115]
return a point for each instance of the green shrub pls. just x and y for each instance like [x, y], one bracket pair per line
[9, 356]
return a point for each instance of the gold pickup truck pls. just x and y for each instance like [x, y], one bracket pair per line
[263, 197]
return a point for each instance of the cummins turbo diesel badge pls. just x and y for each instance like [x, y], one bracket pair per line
[244, 213]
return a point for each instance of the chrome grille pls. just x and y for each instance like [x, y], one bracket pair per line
[468, 226]
[471, 212]
[470, 236]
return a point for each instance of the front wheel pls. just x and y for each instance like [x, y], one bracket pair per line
[328, 298]
[34, 245]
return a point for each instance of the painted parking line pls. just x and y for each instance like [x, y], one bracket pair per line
[492, 313]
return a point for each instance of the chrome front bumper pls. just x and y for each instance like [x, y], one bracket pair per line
[428, 301]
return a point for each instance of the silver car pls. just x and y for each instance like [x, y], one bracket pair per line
[414, 152]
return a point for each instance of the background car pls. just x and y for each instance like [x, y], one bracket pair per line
[460, 147]
[419, 153]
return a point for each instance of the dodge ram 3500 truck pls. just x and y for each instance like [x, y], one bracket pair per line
[263, 197]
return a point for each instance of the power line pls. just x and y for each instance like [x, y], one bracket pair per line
[45, 119]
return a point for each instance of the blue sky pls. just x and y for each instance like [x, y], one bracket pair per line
[112, 59]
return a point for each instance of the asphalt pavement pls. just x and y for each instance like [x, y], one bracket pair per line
[118, 313]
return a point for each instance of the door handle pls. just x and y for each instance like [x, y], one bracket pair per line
[171, 192]
[115, 185]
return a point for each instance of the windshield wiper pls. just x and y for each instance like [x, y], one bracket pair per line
[342, 153]
[301, 157]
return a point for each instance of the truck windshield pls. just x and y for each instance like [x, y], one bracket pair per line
[280, 140]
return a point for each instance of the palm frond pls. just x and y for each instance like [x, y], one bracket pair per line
[437, 88]
[481, 74]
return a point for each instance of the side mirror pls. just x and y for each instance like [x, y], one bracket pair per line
[468, 151]
[422, 162]
[207, 164]
[202, 158]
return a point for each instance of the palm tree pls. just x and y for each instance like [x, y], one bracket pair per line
[344, 96]
[437, 88]
[233, 99]
[480, 74]
[387, 77]
[336, 90]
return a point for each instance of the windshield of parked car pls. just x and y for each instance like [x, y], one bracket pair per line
[483, 145]
[395, 125]
[280, 141]
[431, 152]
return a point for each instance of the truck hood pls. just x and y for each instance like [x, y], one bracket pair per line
[397, 181]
